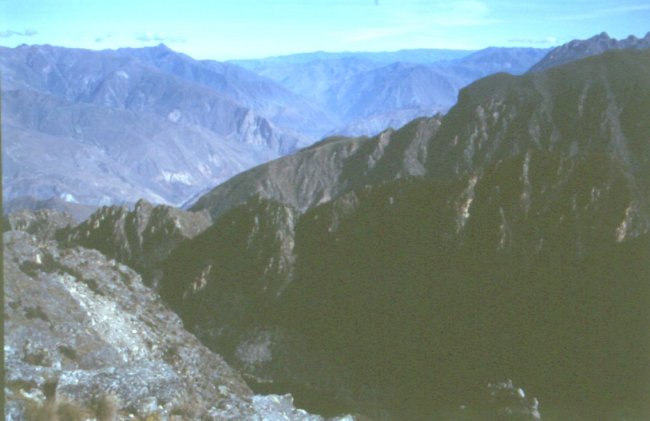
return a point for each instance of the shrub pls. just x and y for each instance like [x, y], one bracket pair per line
[107, 408]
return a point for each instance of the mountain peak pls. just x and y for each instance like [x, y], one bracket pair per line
[602, 35]
[577, 49]
[162, 47]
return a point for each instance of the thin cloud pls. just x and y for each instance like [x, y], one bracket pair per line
[454, 14]
[369, 34]
[25, 33]
[604, 12]
[548, 40]
[465, 13]
[149, 37]
[103, 38]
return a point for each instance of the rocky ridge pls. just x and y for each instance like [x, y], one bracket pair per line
[142, 238]
[578, 49]
[328, 169]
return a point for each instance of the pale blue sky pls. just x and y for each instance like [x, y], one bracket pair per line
[228, 29]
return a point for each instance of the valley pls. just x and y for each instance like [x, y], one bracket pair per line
[486, 258]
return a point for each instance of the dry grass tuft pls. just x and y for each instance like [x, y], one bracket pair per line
[55, 410]
[70, 411]
[107, 408]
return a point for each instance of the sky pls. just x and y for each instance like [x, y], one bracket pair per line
[236, 29]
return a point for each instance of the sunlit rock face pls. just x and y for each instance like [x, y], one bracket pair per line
[142, 237]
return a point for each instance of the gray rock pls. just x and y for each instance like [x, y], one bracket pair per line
[89, 326]
[78, 317]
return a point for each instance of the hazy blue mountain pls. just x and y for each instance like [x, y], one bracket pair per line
[332, 167]
[372, 92]
[105, 127]
[91, 154]
[597, 44]
[266, 97]
[312, 78]
[422, 55]
[520, 252]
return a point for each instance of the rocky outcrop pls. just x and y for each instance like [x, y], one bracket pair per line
[77, 211]
[43, 223]
[141, 238]
[75, 316]
[86, 339]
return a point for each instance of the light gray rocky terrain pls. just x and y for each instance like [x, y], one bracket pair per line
[82, 330]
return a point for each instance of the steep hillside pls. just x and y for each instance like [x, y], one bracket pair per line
[90, 328]
[585, 109]
[328, 169]
[522, 253]
[86, 339]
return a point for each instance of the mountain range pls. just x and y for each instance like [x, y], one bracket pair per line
[417, 274]
[398, 275]
[521, 251]
[597, 44]
[104, 127]
[369, 93]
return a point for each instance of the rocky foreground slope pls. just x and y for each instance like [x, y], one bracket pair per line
[86, 339]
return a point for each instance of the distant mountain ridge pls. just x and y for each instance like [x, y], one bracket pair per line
[597, 44]
[106, 127]
[370, 92]
[266, 97]
[110, 127]
[425, 147]
[328, 169]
